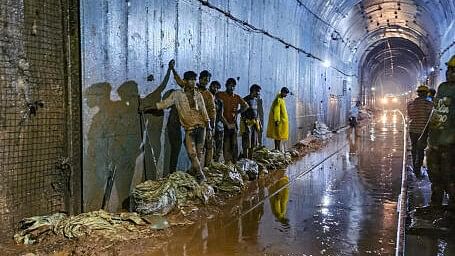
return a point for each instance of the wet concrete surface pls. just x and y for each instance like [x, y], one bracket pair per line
[429, 242]
[338, 201]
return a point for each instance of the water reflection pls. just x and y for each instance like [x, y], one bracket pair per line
[346, 206]
[279, 201]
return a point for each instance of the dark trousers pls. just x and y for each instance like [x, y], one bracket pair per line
[249, 140]
[218, 139]
[175, 144]
[230, 147]
[441, 171]
[417, 150]
[208, 148]
[194, 144]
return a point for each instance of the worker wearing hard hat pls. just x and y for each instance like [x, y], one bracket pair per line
[441, 140]
[419, 111]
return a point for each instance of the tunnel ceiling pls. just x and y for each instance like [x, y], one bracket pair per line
[394, 64]
[390, 38]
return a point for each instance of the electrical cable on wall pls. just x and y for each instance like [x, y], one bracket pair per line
[447, 49]
[325, 23]
[251, 28]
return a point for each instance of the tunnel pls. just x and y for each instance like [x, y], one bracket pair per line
[329, 54]
[74, 74]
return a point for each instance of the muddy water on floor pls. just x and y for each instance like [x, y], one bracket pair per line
[344, 206]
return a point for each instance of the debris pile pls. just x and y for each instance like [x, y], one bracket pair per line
[303, 147]
[154, 199]
[225, 177]
[321, 131]
[271, 159]
[249, 167]
[161, 196]
[106, 224]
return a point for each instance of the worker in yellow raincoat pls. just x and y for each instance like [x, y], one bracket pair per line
[278, 125]
[279, 201]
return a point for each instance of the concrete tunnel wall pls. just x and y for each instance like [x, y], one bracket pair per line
[447, 51]
[125, 41]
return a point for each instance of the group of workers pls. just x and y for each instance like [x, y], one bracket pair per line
[210, 118]
[432, 131]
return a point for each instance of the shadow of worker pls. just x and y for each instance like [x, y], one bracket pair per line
[126, 148]
[154, 129]
[173, 142]
[98, 157]
[279, 201]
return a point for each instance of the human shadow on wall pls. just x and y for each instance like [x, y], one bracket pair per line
[127, 142]
[114, 141]
[111, 168]
[99, 159]
[173, 140]
[154, 129]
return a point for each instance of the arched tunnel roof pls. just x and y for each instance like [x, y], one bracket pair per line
[388, 36]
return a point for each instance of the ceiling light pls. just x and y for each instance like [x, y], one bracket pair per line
[326, 63]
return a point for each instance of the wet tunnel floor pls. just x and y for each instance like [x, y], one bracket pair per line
[344, 206]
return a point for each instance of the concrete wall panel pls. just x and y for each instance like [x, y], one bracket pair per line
[125, 41]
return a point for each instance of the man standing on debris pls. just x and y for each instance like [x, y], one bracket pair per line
[441, 140]
[215, 86]
[193, 117]
[278, 126]
[231, 103]
[419, 111]
[250, 124]
[209, 101]
[261, 119]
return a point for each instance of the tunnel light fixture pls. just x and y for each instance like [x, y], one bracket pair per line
[326, 63]
[384, 118]
[373, 89]
[432, 69]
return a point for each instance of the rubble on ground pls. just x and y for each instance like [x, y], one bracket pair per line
[303, 147]
[271, 159]
[321, 131]
[161, 196]
[158, 198]
[249, 167]
[225, 177]
[109, 225]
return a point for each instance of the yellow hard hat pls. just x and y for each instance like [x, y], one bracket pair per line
[423, 88]
[451, 63]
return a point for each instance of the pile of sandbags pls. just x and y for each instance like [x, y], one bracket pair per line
[161, 196]
[271, 159]
[109, 225]
[249, 168]
[225, 177]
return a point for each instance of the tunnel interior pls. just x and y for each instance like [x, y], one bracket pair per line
[398, 44]
[330, 54]
[393, 66]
